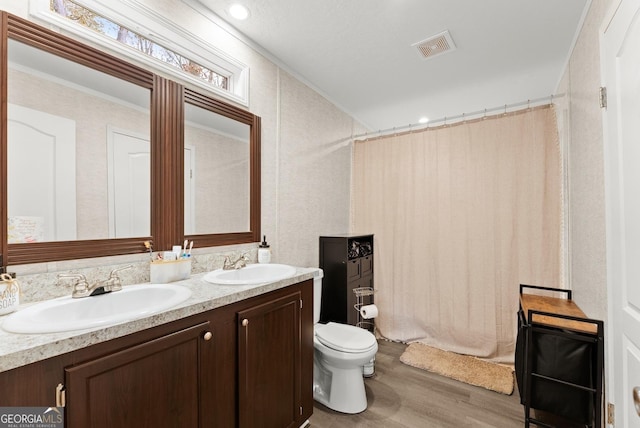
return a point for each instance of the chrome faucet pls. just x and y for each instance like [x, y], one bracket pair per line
[81, 287]
[237, 264]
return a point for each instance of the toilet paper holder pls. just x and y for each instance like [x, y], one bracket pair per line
[361, 293]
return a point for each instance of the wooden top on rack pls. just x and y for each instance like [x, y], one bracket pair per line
[558, 306]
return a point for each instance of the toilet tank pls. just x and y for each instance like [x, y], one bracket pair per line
[317, 294]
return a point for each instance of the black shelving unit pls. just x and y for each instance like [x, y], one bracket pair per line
[347, 262]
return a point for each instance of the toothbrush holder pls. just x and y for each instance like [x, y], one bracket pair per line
[165, 271]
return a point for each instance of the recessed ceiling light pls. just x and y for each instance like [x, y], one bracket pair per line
[423, 119]
[239, 11]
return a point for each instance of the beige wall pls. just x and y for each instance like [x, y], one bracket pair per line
[314, 171]
[306, 154]
[580, 123]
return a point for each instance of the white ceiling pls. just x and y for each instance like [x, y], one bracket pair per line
[359, 54]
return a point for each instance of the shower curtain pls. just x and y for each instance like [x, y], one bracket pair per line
[462, 214]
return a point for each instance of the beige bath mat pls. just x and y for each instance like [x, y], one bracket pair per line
[471, 370]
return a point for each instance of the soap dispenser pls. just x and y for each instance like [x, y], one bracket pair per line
[264, 252]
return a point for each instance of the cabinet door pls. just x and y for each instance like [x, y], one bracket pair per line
[366, 265]
[154, 384]
[269, 363]
[353, 270]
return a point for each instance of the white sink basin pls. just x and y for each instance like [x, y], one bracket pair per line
[66, 313]
[251, 274]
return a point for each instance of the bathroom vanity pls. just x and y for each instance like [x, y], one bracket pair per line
[229, 356]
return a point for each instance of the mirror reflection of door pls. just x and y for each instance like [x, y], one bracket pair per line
[189, 189]
[129, 173]
[41, 176]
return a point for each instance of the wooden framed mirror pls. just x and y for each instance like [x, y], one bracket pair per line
[92, 155]
[225, 144]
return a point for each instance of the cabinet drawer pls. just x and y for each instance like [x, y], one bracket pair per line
[353, 270]
[366, 265]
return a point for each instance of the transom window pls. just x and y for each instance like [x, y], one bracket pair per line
[95, 22]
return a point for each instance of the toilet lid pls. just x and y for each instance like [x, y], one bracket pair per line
[345, 338]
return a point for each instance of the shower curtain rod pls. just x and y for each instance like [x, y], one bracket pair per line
[447, 120]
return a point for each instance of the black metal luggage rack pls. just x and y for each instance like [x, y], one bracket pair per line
[559, 364]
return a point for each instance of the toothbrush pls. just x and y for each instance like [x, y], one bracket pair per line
[147, 245]
[190, 247]
[184, 247]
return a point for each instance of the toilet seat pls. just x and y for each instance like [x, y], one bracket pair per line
[345, 338]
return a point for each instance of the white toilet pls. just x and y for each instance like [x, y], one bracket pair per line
[340, 352]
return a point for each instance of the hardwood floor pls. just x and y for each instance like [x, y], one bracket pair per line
[400, 396]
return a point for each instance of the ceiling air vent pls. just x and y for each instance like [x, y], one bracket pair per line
[435, 45]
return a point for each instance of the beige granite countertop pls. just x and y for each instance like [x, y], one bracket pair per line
[20, 349]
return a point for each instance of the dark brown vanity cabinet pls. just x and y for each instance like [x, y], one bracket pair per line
[155, 383]
[347, 262]
[207, 370]
[270, 363]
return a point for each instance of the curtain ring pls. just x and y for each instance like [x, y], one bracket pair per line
[528, 104]
[505, 110]
[485, 114]
[464, 119]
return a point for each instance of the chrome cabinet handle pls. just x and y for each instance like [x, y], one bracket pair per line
[636, 399]
[207, 336]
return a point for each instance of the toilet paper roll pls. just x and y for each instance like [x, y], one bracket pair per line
[369, 311]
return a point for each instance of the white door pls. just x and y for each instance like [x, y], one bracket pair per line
[130, 187]
[621, 75]
[189, 189]
[129, 184]
[129, 173]
[41, 194]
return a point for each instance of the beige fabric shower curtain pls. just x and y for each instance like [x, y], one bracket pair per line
[462, 214]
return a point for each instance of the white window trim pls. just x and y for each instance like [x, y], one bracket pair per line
[155, 27]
